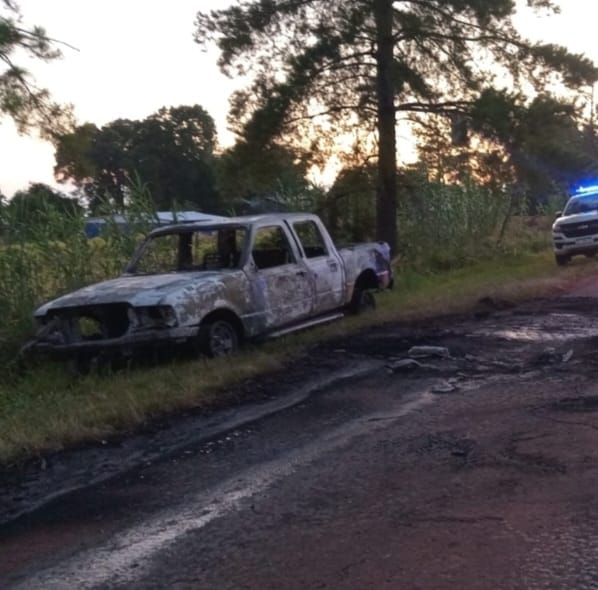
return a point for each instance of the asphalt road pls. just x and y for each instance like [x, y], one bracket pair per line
[474, 470]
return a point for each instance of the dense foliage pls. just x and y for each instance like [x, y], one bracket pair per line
[537, 151]
[172, 150]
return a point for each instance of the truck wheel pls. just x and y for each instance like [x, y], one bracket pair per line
[562, 259]
[362, 302]
[218, 338]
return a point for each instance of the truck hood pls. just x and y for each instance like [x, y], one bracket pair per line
[136, 290]
[576, 218]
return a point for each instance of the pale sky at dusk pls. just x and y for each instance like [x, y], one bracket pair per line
[136, 56]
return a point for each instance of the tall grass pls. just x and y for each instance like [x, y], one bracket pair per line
[51, 255]
[449, 226]
[445, 226]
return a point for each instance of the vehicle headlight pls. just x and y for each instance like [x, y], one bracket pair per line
[155, 316]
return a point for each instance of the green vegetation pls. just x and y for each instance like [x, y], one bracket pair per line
[172, 150]
[29, 107]
[44, 253]
[48, 408]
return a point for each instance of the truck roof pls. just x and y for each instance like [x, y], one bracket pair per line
[240, 221]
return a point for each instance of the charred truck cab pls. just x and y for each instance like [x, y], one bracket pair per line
[215, 284]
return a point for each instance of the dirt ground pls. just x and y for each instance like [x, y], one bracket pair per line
[369, 464]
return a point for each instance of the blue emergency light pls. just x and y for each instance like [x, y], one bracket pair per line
[586, 190]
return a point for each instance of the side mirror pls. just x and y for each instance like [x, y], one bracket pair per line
[558, 213]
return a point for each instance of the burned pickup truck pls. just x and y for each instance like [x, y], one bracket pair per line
[215, 284]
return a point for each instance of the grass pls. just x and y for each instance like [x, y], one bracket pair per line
[49, 409]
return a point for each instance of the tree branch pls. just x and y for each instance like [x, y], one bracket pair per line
[440, 107]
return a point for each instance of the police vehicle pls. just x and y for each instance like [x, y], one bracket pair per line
[575, 231]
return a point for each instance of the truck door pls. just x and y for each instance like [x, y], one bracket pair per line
[279, 278]
[323, 263]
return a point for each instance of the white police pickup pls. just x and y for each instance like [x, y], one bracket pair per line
[575, 231]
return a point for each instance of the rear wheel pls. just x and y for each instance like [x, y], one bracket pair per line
[362, 301]
[218, 338]
[562, 259]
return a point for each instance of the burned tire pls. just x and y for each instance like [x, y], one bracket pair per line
[362, 302]
[562, 259]
[218, 338]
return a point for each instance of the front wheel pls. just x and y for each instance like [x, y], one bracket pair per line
[562, 259]
[218, 338]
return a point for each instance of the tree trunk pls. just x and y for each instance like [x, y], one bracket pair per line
[386, 197]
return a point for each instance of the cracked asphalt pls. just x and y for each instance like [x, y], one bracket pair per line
[359, 467]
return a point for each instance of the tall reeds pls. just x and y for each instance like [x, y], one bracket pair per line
[49, 254]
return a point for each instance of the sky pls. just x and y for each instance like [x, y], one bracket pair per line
[136, 56]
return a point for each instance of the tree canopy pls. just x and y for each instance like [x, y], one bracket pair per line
[539, 148]
[546, 147]
[362, 62]
[171, 151]
[29, 106]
